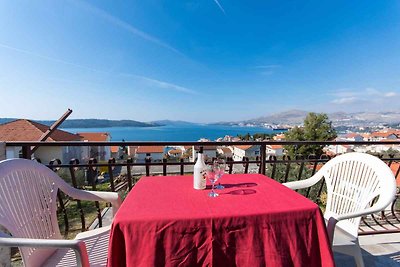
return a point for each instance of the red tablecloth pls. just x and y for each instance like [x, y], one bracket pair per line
[254, 222]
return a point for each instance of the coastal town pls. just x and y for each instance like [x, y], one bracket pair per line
[27, 130]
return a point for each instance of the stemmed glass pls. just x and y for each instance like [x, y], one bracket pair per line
[212, 176]
[219, 165]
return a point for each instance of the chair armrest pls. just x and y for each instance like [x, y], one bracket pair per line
[334, 219]
[78, 246]
[299, 184]
[304, 183]
[367, 211]
[111, 197]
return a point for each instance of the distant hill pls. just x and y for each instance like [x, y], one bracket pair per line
[288, 117]
[296, 117]
[93, 123]
[171, 122]
[5, 120]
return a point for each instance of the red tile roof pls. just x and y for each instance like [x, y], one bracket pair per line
[95, 137]
[150, 149]
[366, 135]
[226, 150]
[275, 146]
[27, 130]
[243, 147]
[394, 167]
[352, 135]
[380, 134]
[279, 136]
[175, 151]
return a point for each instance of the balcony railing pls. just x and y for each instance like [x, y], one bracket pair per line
[282, 169]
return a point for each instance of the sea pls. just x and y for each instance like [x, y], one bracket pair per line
[191, 132]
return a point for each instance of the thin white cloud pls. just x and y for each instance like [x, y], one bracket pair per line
[124, 25]
[161, 84]
[344, 100]
[154, 82]
[372, 91]
[272, 66]
[38, 55]
[220, 6]
[267, 69]
[390, 94]
[367, 95]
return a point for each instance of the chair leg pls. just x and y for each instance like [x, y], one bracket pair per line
[353, 250]
[357, 255]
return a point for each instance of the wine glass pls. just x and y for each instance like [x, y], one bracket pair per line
[219, 165]
[211, 175]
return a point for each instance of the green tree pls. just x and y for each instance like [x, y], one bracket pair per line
[317, 127]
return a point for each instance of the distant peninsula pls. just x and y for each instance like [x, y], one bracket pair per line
[92, 123]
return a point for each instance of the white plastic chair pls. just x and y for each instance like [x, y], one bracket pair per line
[28, 192]
[353, 180]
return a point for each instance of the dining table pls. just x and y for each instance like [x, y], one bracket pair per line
[255, 221]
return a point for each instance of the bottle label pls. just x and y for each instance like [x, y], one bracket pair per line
[199, 178]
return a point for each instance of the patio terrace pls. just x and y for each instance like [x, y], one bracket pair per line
[379, 233]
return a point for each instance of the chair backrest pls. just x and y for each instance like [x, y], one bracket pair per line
[28, 192]
[353, 180]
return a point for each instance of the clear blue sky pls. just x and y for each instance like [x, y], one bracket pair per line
[199, 60]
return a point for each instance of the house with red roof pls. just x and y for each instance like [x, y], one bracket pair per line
[275, 150]
[354, 137]
[279, 137]
[175, 153]
[379, 136]
[241, 151]
[209, 152]
[225, 151]
[101, 153]
[154, 153]
[27, 130]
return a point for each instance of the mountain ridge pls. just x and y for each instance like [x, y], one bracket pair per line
[280, 119]
[91, 123]
[296, 117]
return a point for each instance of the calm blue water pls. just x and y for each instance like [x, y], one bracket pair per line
[172, 132]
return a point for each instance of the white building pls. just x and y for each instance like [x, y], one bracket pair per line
[175, 152]
[225, 151]
[155, 153]
[275, 150]
[240, 151]
[101, 153]
[339, 149]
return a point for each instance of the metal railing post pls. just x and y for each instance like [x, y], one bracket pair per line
[111, 167]
[262, 157]
[72, 170]
[129, 172]
[26, 152]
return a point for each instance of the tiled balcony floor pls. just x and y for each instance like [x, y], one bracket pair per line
[378, 251]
